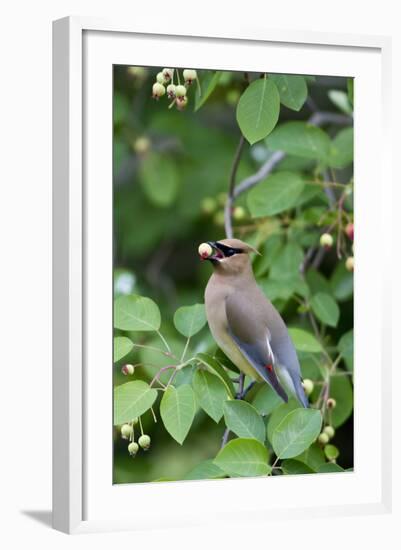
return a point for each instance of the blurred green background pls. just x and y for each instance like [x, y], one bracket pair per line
[171, 172]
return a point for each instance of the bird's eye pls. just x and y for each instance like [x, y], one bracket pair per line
[230, 252]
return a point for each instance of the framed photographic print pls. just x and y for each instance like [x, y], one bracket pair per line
[219, 326]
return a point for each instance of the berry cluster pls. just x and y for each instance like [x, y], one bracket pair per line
[127, 432]
[330, 450]
[176, 92]
[211, 206]
[327, 241]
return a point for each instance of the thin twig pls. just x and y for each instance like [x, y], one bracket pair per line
[225, 437]
[156, 376]
[230, 198]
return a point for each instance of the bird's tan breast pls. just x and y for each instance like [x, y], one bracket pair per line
[215, 297]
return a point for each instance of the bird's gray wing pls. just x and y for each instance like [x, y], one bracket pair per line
[249, 331]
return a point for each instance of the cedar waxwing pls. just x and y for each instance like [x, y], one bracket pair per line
[244, 323]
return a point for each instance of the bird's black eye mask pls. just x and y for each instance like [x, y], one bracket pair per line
[223, 251]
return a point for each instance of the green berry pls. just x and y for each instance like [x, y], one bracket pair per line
[239, 213]
[126, 431]
[349, 263]
[135, 421]
[139, 73]
[308, 386]
[208, 205]
[218, 218]
[323, 438]
[326, 240]
[144, 442]
[331, 452]
[168, 74]
[331, 403]
[189, 75]
[180, 91]
[133, 448]
[171, 91]
[127, 369]
[181, 102]
[141, 145]
[222, 198]
[232, 97]
[330, 431]
[158, 90]
[160, 78]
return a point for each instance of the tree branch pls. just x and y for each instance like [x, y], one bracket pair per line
[317, 119]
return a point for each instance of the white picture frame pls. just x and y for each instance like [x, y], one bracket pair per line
[84, 498]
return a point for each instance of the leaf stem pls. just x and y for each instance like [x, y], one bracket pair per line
[185, 349]
[164, 341]
[140, 424]
[153, 414]
[152, 348]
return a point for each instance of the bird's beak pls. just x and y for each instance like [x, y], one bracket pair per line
[217, 253]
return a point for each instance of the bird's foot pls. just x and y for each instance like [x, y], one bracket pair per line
[242, 394]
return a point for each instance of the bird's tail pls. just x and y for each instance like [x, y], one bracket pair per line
[293, 384]
[300, 393]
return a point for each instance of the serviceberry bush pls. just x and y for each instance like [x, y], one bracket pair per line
[199, 155]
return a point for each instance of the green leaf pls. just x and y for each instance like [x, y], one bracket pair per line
[159, 178]
[177, 410]
[346, 347]
[292, 89]
[287, 262]
[271, 248]
[300, 139]
[342, 149]
[296, 432]
[184, 375]
[304, 341]
[210, 393]
[317, 282]
[214, 365]
[205, 470]
[131, 400]
[341, 391]
[329, 468]
[135, 312]
[278, 415]
[342, 283]
[340, 99]
[331, 452]
[121, 347]
[208, 84]
[258, 109]
[189, 320]
[325, 309]
[243, 457]
[244, 420]
[266, 400]
[277, 193]
[295, 467]
[283, 289]
[312, 457]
